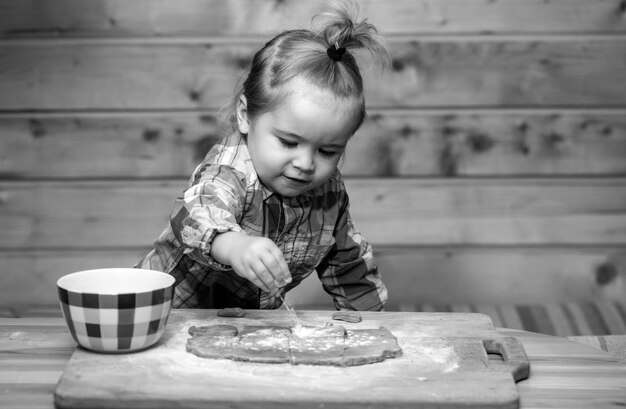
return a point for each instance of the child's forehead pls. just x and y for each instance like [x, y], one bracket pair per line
[301, 88]
[305, 95]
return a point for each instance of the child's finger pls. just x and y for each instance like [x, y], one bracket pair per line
[285, 268]
[263, 275]
[251, 276]
[285, 274]
[277, 266]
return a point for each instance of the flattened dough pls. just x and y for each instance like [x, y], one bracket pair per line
[264, 344]
[318, 346]
[369, 346]
[216, 341]
[330, 345]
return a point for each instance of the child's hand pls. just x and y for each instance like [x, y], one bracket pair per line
[257, 259]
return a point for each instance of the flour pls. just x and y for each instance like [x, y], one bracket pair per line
[300, 331]
[432, 354]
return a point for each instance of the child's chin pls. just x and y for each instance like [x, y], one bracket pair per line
[290, 191]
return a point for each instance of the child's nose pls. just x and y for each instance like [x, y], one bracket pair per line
[304, 161]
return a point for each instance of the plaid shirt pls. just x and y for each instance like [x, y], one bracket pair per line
[314, 232]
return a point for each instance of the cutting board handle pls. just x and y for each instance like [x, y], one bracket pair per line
[512, 352]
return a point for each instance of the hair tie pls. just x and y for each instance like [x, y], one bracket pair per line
[335, 52]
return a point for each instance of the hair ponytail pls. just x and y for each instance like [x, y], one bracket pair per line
[322, 56]
[340, 25]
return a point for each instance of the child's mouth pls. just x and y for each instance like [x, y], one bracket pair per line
[297, 181]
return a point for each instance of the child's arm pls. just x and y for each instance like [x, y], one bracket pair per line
[211, 205]
[205, 222]
[349, 273]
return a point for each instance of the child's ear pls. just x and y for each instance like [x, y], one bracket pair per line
[243, 122]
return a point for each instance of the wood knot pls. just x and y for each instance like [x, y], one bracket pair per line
[553, 139]
[606, 273]
[208, 119]
[479, 142]
[406, 132]
[397, 65]
[37, 129]
[151, 135]
[195, 95]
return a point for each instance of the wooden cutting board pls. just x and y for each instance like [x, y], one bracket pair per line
[444, 365]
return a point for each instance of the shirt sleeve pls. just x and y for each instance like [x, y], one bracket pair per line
[348, 273]
[212, 204]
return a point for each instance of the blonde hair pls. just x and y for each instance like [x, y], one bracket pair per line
[304, 53]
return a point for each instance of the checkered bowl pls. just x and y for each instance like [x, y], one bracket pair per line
[116, 309]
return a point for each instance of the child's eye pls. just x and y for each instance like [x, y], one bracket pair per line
[328, 154]
[287, 144]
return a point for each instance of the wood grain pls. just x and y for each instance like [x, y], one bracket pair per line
[34, 355]
[550, 378]
[118, 18]
[462, 73]
[389, 211]
[391, 143]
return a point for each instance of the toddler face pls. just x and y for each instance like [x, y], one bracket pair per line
[297, 146]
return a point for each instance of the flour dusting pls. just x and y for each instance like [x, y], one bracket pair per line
[434, 354]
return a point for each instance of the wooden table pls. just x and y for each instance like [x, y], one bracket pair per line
[564, 374]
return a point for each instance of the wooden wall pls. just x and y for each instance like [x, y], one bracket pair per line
[492, 168]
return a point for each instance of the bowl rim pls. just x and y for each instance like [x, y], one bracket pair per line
[63, 282]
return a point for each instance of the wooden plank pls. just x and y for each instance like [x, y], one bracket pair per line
[86, 214]
[113, 145]
[413, 275]
[29, 277]
[390, 143]
[514, 73]
[118, 18]
[489, 143]
[390, 211]
[490, 211]
[489, 276]
[494, 276]
[438, 73]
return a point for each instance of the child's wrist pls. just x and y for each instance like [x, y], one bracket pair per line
[223, 245]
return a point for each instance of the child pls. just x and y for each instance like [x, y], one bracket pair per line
[267, 206]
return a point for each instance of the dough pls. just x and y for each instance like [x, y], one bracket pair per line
[348, 316]
[369, 346]
[223, 341]
[317, 346]
[235, 312]
[330, 345]
[264, 344]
